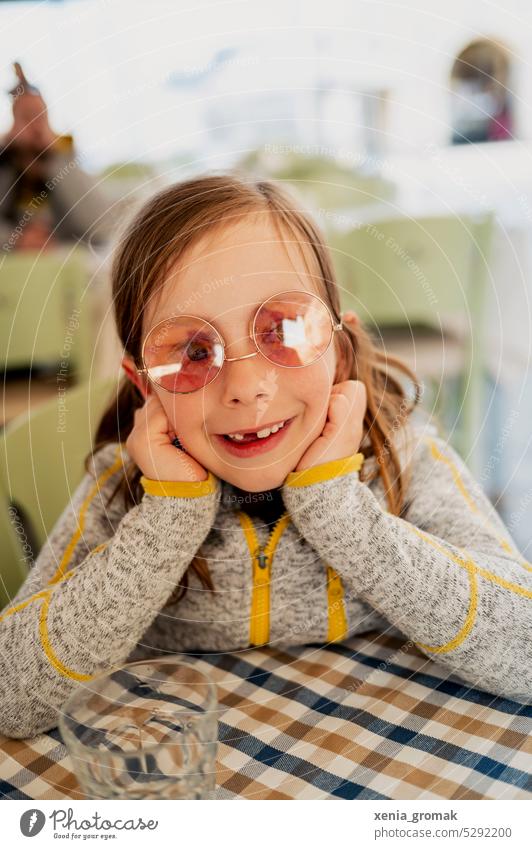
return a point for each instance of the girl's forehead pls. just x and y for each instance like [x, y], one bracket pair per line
[232, 276]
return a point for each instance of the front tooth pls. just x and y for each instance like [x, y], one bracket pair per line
[261, 434]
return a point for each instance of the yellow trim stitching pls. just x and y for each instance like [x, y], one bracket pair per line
[325, 471]
[179, 489]
[46, 596]
[337, 629]
[57, 579]
[479, 570]
[467, 627]
[43, 593]
[69, 550]
[23, 604]
[505, 545]
[473, 570]
[48, 650]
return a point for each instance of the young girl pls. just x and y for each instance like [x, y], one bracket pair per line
[260, 478]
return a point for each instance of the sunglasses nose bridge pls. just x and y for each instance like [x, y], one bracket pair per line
[243, 357]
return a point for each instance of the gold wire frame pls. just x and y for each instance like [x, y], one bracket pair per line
[251, 334]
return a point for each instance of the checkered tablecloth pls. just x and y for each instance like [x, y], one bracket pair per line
[369, 718]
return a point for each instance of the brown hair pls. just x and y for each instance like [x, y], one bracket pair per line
[159, 234]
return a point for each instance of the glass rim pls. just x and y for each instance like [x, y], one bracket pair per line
[333, 327]
[64, 709]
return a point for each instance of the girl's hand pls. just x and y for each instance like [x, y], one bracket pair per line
[150, 445]
[343, 430]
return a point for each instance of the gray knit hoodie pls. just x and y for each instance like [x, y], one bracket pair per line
[446, 575]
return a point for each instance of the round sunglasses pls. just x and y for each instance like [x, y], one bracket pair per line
[184, 353]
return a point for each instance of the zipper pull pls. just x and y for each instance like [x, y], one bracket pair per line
[262, 559]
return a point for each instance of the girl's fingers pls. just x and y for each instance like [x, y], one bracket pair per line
[338, 409]
[342, 404]
[154, 415]
[345, 386]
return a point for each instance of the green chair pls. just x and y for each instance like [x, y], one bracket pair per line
[41, 464]
[45, 313]
[419, 286]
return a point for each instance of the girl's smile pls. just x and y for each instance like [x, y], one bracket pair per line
[253, 443]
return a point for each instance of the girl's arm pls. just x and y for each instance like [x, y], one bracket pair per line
[96, 586]
[448, 575]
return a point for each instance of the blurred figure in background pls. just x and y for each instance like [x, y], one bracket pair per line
[45, 196]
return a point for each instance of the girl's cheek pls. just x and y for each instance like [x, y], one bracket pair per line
[313, 385]
[180, 416]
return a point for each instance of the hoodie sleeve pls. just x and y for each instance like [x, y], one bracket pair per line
[447, 574]
[95, 588]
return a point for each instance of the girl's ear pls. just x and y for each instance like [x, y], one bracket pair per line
[139, 380]
[349, 319]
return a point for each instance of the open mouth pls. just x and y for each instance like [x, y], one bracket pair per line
[261, 433]
[256, 441]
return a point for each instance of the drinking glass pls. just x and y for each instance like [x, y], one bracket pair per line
[145, 730]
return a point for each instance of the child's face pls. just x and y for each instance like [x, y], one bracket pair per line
[224, 279]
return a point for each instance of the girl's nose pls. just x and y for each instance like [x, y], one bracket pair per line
[247, 378]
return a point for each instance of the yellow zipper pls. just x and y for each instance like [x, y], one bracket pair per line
[262, 557]
[335, 599]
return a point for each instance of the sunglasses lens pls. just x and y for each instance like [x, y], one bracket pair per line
[183, 354]
[293, 329]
